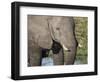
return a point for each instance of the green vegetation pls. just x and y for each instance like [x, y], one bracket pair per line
[81, 24]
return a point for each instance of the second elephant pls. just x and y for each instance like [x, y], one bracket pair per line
[54, 33]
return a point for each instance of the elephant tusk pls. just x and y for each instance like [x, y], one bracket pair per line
[66, 49]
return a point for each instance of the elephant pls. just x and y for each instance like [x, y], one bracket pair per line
[56, 33]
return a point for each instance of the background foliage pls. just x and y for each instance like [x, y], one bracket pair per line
[81, 30]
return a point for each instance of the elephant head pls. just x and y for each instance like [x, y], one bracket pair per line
[53, 32]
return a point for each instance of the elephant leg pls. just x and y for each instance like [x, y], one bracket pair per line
[34, 55]
[58, 56]
[58, 59]
[69, 56]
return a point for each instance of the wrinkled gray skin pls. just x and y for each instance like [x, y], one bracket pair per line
[42, 30]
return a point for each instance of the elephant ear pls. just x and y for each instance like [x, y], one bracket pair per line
[38, 26]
